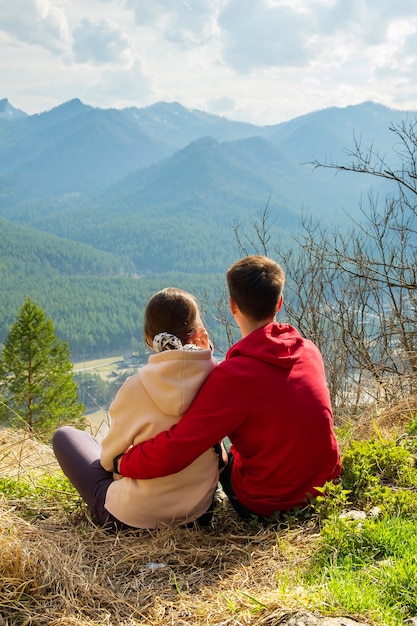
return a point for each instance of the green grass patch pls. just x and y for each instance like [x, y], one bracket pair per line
[367, 567]
[36, 497]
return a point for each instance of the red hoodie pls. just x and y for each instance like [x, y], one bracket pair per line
[271, 399]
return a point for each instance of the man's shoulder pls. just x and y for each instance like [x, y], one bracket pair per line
[226, 367]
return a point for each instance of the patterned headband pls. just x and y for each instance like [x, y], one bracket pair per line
[166, 341]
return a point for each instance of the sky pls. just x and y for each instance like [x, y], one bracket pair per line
[258, 61]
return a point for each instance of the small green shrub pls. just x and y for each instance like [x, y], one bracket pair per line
[333, 499]
[369, 464]
[11, 488]
[376, 473]
[412, 426]
[38, 497]
[395, 502]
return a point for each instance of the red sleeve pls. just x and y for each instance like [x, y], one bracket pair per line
[214, 413]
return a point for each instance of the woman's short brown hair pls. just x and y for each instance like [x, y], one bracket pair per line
[255, 284]
[173, 311]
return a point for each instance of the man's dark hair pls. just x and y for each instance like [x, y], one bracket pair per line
[255, 284]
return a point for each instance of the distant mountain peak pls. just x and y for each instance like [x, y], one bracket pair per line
[166, 110]
[162, 105]
[65, 111]
[72, 105]
[9, 112]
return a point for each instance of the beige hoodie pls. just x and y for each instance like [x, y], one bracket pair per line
[148, 403]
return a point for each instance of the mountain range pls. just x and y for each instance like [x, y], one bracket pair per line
[85, 173]
[161, 188]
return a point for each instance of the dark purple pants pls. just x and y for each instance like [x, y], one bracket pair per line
[78, 454]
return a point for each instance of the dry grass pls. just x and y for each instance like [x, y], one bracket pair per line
[385, 421]
[64, 570]
[58, 572]
[19, 454]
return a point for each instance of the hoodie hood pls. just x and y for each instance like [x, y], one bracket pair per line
[278, 344]
[171, 378]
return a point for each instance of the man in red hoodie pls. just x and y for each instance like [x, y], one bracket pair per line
[269, 396]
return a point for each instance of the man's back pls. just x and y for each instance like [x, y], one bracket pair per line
[284, 446]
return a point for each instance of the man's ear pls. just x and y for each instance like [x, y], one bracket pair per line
[280, 303]
[232, 305]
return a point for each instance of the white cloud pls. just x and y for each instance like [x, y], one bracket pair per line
[261, 61]
[100, 42]
[263, 35]
[122, 88]
[222, 105]
[190, 12]
[284, 34]
[184, 22]
[36, 22]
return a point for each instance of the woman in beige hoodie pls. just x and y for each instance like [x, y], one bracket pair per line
[149, 402]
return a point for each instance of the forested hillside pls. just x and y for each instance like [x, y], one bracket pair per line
[143, 198]
[179, 214]
[94, 300]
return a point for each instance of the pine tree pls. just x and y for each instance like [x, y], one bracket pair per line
[37, 385]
